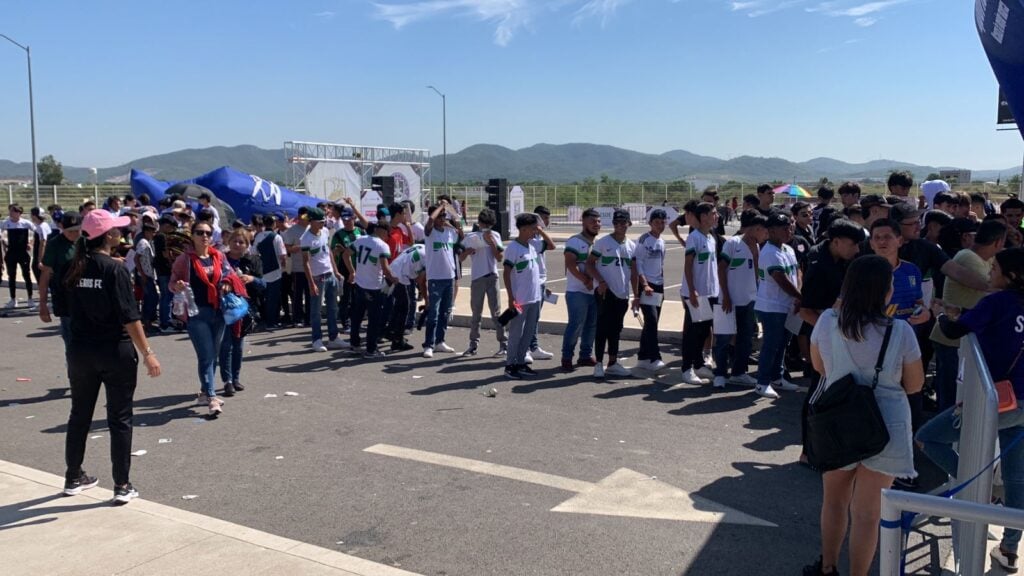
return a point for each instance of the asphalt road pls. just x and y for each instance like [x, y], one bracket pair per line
[297, 466]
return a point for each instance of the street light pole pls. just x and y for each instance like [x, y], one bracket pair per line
[444, 135]
[31, 115]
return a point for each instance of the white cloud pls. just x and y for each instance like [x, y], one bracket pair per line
[325, 15]
[603, 9]
[863, 14]
[865, 21]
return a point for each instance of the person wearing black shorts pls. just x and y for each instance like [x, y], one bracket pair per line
[17, 233]
[105, 332]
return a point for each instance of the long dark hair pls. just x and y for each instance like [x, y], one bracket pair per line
[865, 288]
[83, 249]
[1011, 262]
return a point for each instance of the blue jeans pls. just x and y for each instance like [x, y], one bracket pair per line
[520, 331]
[737, 356]
[582, 325]
[206, 330]
[371, 304]
[230, 357]
[947, 366]
[439, 292]
[938, 435]
[150, 300]
[327, 289]
[272, 300]
[773, 347]
[165, 300]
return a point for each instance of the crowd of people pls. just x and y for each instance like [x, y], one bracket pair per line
[819, 285]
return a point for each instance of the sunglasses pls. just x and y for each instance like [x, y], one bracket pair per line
[203, 233]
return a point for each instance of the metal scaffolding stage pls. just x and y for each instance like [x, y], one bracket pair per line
[333, 171]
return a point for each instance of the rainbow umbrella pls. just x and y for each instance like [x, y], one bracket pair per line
[792, 190]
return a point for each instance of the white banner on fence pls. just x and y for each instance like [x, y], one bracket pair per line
[408, 184]
[334, 180]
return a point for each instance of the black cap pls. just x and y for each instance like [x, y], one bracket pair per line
[167, 220]
[778, 220]
[904, 211]
[70, 220]
[621, 216]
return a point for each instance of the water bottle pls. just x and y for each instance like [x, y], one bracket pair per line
[193, 310]
[179, 305]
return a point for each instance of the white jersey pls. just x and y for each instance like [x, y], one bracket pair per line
[741, 272]
[579, 248]
[409, 264]
[705, 268]
[650, 258]
[614, 263]
[540, 246]
[440, 253]
[771, 297]
[318, 246]
[483, 262]
[522, 259]
[369, 251]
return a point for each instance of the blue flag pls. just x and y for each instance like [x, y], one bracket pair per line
[244, 193]
[1001, 28]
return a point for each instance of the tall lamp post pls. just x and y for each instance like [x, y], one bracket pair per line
[444, 135]
[31, 115]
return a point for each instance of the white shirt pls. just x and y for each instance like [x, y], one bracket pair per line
[770, 297]
[418, 232]
[705, 269]
[482, 261]
[614, 263]
[650, 258]
[318, 247]
[291, 237]
[43, 231]
[369, 251]
[741, 273]
[522, 259]
[409, 264]
[279, 250]
[540, 246]
[144, 250]
[579, 247]
[440, 252]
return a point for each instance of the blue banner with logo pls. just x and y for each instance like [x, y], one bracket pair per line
[244, 193]
[1001, 28]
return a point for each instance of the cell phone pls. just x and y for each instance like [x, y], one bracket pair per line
[918, 310]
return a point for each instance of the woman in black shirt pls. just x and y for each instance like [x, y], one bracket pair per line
[105, 333]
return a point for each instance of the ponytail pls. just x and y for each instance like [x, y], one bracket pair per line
[83, 248]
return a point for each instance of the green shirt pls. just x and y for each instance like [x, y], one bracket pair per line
[345, 239]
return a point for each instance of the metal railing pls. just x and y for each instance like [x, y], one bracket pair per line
[971, 515]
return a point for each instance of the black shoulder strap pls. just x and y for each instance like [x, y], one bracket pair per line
[881, 354]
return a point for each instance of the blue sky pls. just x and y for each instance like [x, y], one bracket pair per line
[852, 79]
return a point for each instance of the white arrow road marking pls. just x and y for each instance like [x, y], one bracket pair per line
[623, 493]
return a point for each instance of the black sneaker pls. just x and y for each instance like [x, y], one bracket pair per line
[512, 373]
[525, 370]
[905, 484]
[401, 346]
[816, 570]
[229, 389]
[238, 386]
[125, 494]
[83, 482]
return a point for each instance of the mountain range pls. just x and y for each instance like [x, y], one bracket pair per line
[548, 163]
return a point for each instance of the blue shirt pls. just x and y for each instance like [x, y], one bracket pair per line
[998, 321]
[906, 291]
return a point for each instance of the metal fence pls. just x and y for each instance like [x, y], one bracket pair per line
[978, 432]
[68, 197]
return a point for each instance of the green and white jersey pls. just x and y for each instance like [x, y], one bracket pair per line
[369, 251]
[409, 263]
[741, 273]
[770, 296]
[705, 268]
[650, 258]
[440, 253]
[522, 258]
[614, 262]
[483, 262]
[319, 250]
[579, 247]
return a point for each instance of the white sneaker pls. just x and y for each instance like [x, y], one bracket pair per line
[442, 347]
[784, 385]
[541, 354]
[599, 371]
[502, 351]
[428, 352]
[657, 365]
[744, 380]
[12, 303]
[618, 370]
[318, 346]
[709, 359]
[33, 306]
[705, 373]
[643, 365]
[690, 377]
[338, 344]
[719, 382]
[529, 358]
[766, 391]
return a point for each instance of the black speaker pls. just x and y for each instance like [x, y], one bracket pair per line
[385, 186]
[497, 194]
[502, 227]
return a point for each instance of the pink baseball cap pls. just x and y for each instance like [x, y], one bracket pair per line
[97, 222]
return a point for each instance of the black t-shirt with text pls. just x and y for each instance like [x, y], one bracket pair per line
[102, 302]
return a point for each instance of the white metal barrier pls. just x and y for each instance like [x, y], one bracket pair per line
[978, 433]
